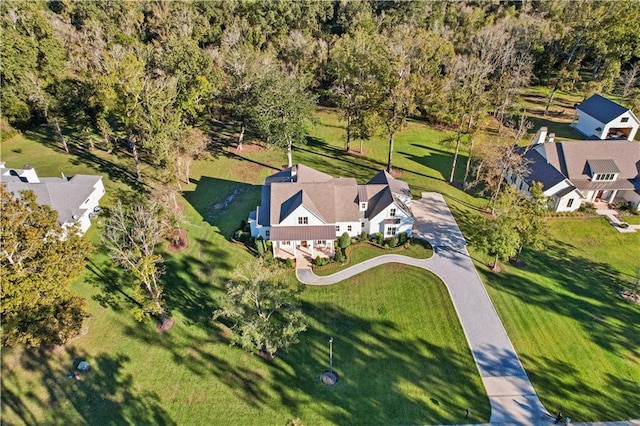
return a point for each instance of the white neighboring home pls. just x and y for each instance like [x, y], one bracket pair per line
[582, 171]
[601, 118]
[304, 210]
[75, 199]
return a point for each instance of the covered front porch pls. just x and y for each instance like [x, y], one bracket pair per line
[303, 241]
[306, 249]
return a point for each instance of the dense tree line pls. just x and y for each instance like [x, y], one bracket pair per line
[153, 74]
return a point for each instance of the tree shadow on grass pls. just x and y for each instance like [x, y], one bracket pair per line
[113, 165]
[586, 293]
[384, 378]
[105, 394]
[381, 377]
[223, 203]
[565, 391]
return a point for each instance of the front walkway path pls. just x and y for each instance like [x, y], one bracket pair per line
[512, 397]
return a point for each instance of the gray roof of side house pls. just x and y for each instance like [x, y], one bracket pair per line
[601, 108]
[540, 170]
[573, 159]
[63, 195]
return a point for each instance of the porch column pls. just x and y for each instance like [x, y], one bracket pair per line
[274, 247]
[311, 247]
[613, 195]
[295, 244]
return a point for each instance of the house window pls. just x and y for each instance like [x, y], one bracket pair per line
[319, 243]
[392, 212]
[624, 119]
[570, 202]
[361, 224]
[337, 228]
[521, 185]
[303, 220]
[267, 233]
[391, 231]
[286, 243]
[363, 206]
[605, 176]
[349, 228]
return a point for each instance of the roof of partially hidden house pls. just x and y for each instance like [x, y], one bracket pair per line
[63, 195]
[601, 108]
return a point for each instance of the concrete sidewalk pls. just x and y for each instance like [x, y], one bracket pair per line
[512, 397]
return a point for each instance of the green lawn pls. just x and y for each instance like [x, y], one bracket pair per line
[401, 358]
[578, 340]
[360, 252]
[191, 375]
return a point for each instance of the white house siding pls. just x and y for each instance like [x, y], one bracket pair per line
[301, 211]
[617, 123]
[376, 224]
[587, 125]
[568, 203]
[94, 199]
[356, 228]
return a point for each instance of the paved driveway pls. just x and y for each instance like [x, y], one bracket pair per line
[512, 397]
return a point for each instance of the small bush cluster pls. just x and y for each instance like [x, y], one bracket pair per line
[339, 257]
[587, 208]
[320, 261]
[626, 206]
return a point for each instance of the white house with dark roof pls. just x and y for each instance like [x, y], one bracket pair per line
[304, 209]
[601, 118]
[583, 171]
[75, 198]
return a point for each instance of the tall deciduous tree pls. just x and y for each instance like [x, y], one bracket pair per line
[262, 306]
[131, 235]
[283, 111]
[531, 225]
[414, 59]
[500, 157]
[355, 65]
[498, 236]
[38, 260]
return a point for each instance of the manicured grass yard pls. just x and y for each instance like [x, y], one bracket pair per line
[364, 251]
[399, 349]
[401, 358]
[578, 340]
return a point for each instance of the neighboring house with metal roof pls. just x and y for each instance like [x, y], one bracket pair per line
[582, 171]
[601, 118]
[75, 199]
[304, 209]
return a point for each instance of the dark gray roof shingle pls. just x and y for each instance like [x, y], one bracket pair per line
[601, 108]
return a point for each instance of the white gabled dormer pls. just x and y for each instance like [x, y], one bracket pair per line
[603, 170]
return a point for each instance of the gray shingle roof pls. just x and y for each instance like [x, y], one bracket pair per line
[601, 108]
[64, 196]
[330, 199]
[541, 171]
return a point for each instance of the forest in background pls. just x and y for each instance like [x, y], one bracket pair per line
[154, 75]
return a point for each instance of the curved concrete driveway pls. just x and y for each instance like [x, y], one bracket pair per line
[512, 397]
